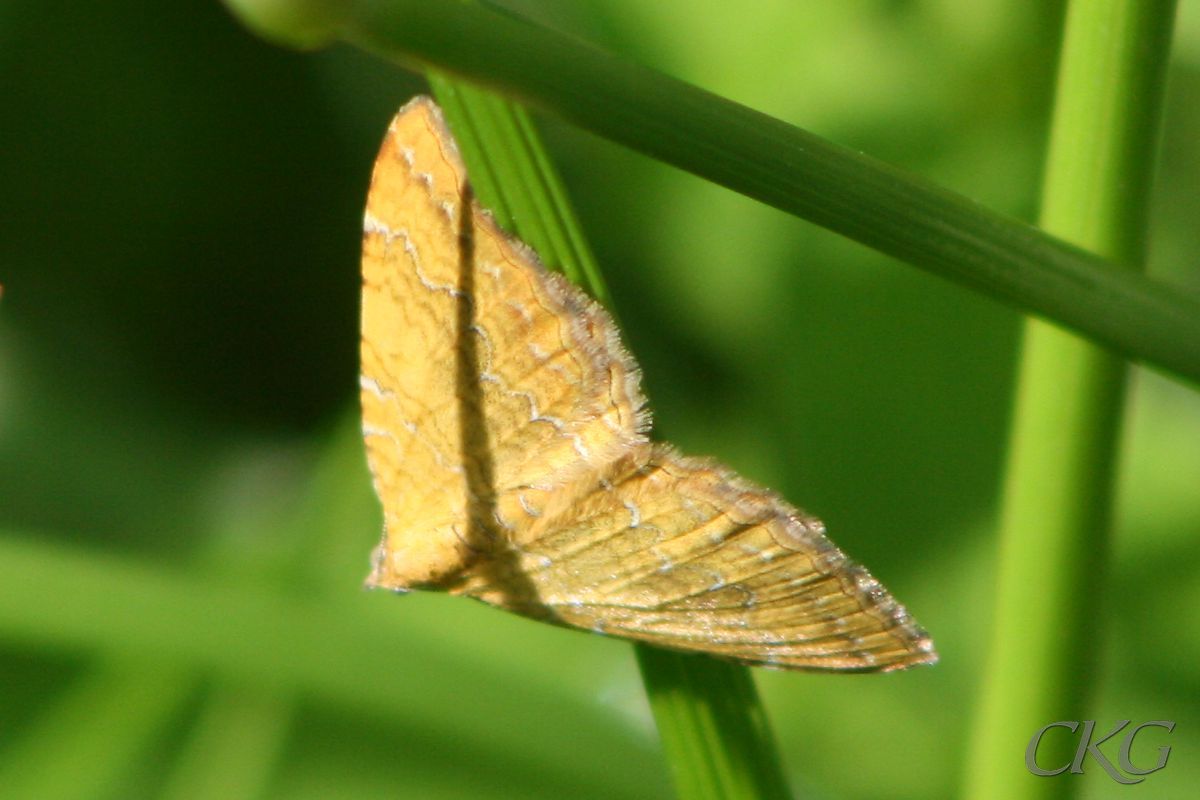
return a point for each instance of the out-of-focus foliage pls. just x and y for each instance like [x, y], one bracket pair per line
[184, 513]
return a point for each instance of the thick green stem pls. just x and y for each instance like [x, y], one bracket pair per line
[714, 729]
[793, 170]
[1058, 490]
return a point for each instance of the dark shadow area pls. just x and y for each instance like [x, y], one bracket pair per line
[494, 560]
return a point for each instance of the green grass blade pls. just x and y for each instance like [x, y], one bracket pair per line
[91, 738]
[234, 746]
[713, 727]
[67, 599]
[1060, 473]
[790, 169]
[715, 732]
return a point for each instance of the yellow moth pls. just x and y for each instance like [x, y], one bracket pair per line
[506, 434]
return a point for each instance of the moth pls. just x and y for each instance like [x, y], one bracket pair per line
[507, 438]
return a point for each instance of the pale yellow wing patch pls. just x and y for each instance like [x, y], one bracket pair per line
[505, 432]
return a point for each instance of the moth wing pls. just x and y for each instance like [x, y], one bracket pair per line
[482, 372]
[685, 554]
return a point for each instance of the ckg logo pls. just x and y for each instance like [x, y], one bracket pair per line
[1088, 746]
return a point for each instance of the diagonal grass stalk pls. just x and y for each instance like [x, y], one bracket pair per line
[765, 158]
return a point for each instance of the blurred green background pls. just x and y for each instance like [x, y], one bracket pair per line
[185, 517]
